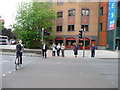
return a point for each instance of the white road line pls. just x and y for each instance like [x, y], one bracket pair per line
[3, 75]
[10, 72]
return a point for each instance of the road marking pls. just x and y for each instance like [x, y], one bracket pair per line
[10, 72]
[3, 75]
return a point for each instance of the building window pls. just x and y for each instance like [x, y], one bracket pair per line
[101, 11]
[59, 2]
[84, 27]
[71, 12]
[71, 0]
[58, 41]
[87, 43]
[70, 42]
[70, 27]
[59, 28]
[100, 26]
[59, 14]
[85, 12]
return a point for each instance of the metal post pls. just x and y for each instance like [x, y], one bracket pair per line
[42, 34]
[84, 44]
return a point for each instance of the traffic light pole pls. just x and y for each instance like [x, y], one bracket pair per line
[84, 44]
[42, 34]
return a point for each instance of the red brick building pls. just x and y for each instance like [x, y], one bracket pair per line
[73, 16]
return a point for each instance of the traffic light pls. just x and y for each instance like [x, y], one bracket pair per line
[80, 34]
[45, 32]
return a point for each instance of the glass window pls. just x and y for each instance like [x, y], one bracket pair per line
[70, 27]
[101, 11]
[84, 27]
[59, 14]
[85, 12]
[58, 41]
[71, 12]
[59, 28]
[70, 42]
[87, 43]
[59, 2]
[100, 26]
[72, 0]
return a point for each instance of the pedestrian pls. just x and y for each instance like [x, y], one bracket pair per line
[93, 50]
[44, 50]
[53, 49]
[62, 49]
[58, 49]
[19, 50]
[75, 49]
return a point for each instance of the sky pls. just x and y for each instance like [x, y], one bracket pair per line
[8, 10]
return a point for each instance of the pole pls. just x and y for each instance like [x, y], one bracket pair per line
[42, 34]
[84, 44]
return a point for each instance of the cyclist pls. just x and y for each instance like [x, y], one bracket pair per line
[19, 50]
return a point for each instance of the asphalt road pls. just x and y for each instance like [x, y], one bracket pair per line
[8, 65]
[55, 72]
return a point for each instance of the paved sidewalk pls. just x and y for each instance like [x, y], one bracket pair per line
[68, 53]
[98, 54]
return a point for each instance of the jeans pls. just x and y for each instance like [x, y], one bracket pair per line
[19, 55]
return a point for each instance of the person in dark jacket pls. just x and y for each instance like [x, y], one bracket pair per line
[75, 49]
[93, 50]
[44, 50]
[19, 50]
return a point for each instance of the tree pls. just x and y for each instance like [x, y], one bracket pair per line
[31, 17]
[8, 32]
[1, 25]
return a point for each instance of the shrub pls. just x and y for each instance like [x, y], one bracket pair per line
[33, 44]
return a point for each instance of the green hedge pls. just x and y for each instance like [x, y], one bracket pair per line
[33, 44]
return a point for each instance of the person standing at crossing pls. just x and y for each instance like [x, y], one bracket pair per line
[93, 50]
[62, 50]
[53, 49]
[44, 50]
[58, 49]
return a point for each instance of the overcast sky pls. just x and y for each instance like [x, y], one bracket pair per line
[8, 10]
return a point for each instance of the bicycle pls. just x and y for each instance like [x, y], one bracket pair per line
[17, 62]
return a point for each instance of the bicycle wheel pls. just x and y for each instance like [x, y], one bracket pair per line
[16, 63]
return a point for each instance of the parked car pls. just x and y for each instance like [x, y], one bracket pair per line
[3, 40]
[12, 41]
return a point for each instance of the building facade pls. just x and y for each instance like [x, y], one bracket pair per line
[71, 17]
[109, 25]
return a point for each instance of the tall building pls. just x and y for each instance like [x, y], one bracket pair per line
[109, 25]
[72, 17]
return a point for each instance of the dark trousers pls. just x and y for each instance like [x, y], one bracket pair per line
[44, 53]
[19, 55]
[92, 53]
[62, 51]
[58, 52]
[53, 53]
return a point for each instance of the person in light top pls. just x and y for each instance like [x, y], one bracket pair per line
[58, 49]
[53, 49]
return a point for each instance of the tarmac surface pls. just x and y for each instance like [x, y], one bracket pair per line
[57, 73]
